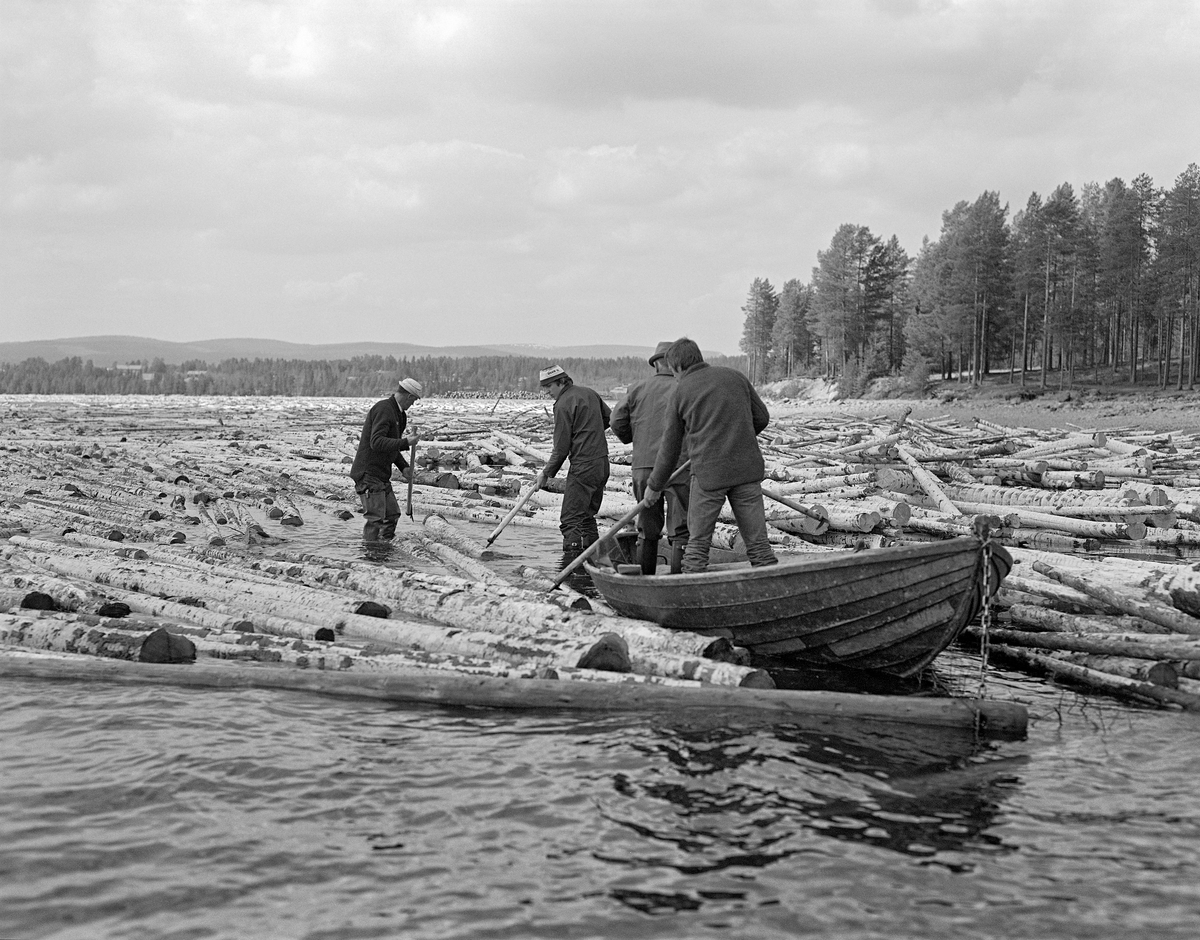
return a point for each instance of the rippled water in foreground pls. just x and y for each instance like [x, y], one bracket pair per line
[179, 813]
[167, 812]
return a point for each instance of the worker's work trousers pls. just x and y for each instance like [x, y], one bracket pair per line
[380, 509]
[582, 496]
[704, 508]
[670, 513]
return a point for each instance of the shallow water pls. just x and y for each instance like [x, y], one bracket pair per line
[179, 813]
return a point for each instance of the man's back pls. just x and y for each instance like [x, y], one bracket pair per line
[641, 416]
[580, 420]
[719, 415]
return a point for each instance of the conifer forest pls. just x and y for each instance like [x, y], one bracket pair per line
[1099, 285]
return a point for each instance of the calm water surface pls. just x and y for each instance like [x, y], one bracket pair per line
[176, 813]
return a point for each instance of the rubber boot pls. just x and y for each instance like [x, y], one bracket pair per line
[677, 551]
[648, 555]
[571, 551]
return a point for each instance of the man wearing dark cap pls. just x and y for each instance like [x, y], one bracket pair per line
[580, 419]
[719, 415]
[381, 444]
[638, 418]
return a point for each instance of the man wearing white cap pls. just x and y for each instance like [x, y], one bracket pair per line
[580, 419]
[381, 444]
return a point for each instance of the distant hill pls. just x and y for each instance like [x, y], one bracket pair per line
[104, 351]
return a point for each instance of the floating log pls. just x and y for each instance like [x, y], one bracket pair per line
[1155, 613]
[1058, 621]
[1155, 647]
[928, 483]
[1101, 681]
[998, 719]
[441, 530]
[95, 636]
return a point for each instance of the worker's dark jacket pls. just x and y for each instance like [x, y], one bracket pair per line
[381, 444]
[580, 419]
[719, 415]
[639, 418]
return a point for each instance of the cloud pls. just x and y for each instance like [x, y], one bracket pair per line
[325, 292]
[536, 168]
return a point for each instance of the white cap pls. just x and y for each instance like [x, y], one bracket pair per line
[546, 376]
[412, 386]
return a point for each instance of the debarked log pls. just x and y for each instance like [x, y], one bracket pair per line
[1156, 613]
[643, 645]
[999, 719]
[1060, 622]
[456, 603]
[95, 636]
[442, 531]
[1143, 670]
[1129, 646]
[313, 611]
[1100, 681]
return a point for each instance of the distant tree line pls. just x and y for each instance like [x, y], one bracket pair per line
[1103, 284]
[479, 376]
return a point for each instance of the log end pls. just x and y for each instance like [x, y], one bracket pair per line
[36, 600]
[757, 679]
[163, 647]
[610, 653]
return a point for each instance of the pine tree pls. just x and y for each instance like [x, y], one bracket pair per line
[790, 338]
[760, 307]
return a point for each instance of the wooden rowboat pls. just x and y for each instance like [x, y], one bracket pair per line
[890, 610]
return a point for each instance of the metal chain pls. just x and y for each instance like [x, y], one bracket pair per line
[986, 616]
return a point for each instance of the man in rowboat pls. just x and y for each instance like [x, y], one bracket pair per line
[381, 444]
[638, 418]
[717, 413]
[580, 419]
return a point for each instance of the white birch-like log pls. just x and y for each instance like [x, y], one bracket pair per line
[442, 531]
[1156, 613]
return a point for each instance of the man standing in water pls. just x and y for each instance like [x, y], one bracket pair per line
[718, 414]
[638, 418]
[380, 445]
[580, 419]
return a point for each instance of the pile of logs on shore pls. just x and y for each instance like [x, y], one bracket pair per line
[181, 511]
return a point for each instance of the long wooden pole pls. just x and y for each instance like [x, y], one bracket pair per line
[792, 504]
[513, 512]
[613, 529]
[412, 475]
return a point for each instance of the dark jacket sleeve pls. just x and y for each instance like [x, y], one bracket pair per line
[605, 412]
[758, 411]
[562, 440]
[391, 447]
[620, 422]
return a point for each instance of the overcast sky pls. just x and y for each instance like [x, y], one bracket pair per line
[544, 171]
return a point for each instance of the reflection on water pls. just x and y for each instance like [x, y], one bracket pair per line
[736, 800]
[162, 808]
